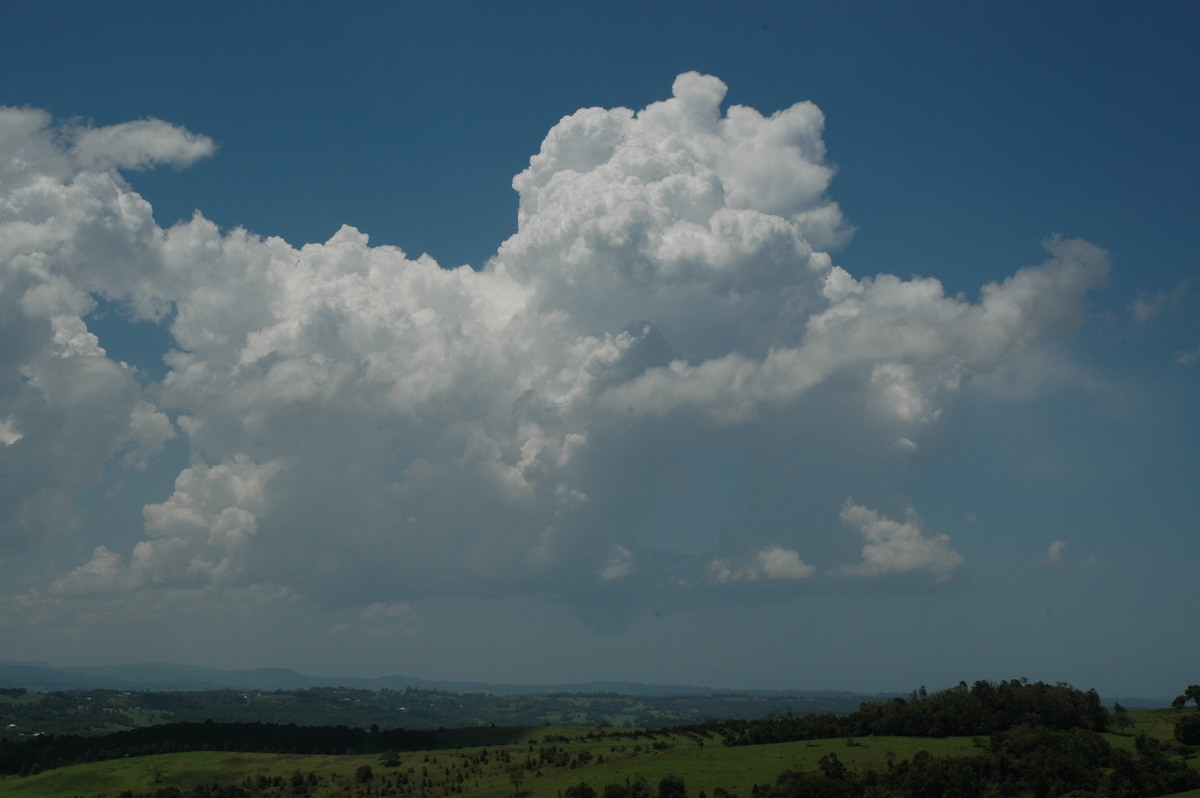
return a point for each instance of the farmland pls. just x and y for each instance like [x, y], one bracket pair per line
[1026, 739]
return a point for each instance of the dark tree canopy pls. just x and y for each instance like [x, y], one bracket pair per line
[980, 709]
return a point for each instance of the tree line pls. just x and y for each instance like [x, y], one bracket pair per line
[32, 755]
[961, 711]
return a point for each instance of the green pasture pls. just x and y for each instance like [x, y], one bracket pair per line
[1154, 722]
[149, 773]
[608, 759]
[585, 754]
[736, 769]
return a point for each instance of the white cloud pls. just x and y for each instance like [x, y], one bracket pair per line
[9, 434]
[1055, 551]
[770, 562]
[897, 329]
[149, 429]
[138, 145]
[897, 547]
[1054, 557]
[197, 536]
[101, 574]
[620, 566]
[899, 395]
[365, 428]
[777, 562]
[651, 216]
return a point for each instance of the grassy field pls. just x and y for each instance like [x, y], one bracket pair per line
[605, 760]
[564, 756]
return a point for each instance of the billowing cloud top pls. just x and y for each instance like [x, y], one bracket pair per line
[366, 428]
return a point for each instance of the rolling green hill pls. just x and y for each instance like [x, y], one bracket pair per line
[564, 757]
[551, 762]
[1005, 739]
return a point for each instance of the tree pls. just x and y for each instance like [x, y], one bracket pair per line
[516, 774]
[671, 786]
[1120, 719]
[615, 790]
[364, 774]
[795, 784]
[580, 790]
[1192, 693]
[832, 767]
[1187, 730]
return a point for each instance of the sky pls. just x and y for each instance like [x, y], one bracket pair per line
[767, 345]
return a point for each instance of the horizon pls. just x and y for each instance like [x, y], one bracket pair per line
[672, 345]
[110, 670]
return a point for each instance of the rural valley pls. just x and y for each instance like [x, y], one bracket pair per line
[1012, 738]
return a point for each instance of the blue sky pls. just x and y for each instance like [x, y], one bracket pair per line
[860, 351]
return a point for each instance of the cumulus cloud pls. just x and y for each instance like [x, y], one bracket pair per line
[887, 327]
[620, 566]
[197, 535]
[9, 434]
[898, 547]
[772, 562]
[365, 428]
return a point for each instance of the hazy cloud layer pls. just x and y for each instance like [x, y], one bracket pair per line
[366, 428]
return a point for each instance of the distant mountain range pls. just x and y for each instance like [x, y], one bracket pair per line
[45, 677]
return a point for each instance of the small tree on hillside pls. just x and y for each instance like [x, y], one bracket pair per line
[580, 790]
[516, 774]
[832, 767]
[672, 786]
[1120, 719]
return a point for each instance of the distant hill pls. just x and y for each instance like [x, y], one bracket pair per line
[96, 700]
[43, 676]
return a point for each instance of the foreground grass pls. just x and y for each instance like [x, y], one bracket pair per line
[150, 773]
